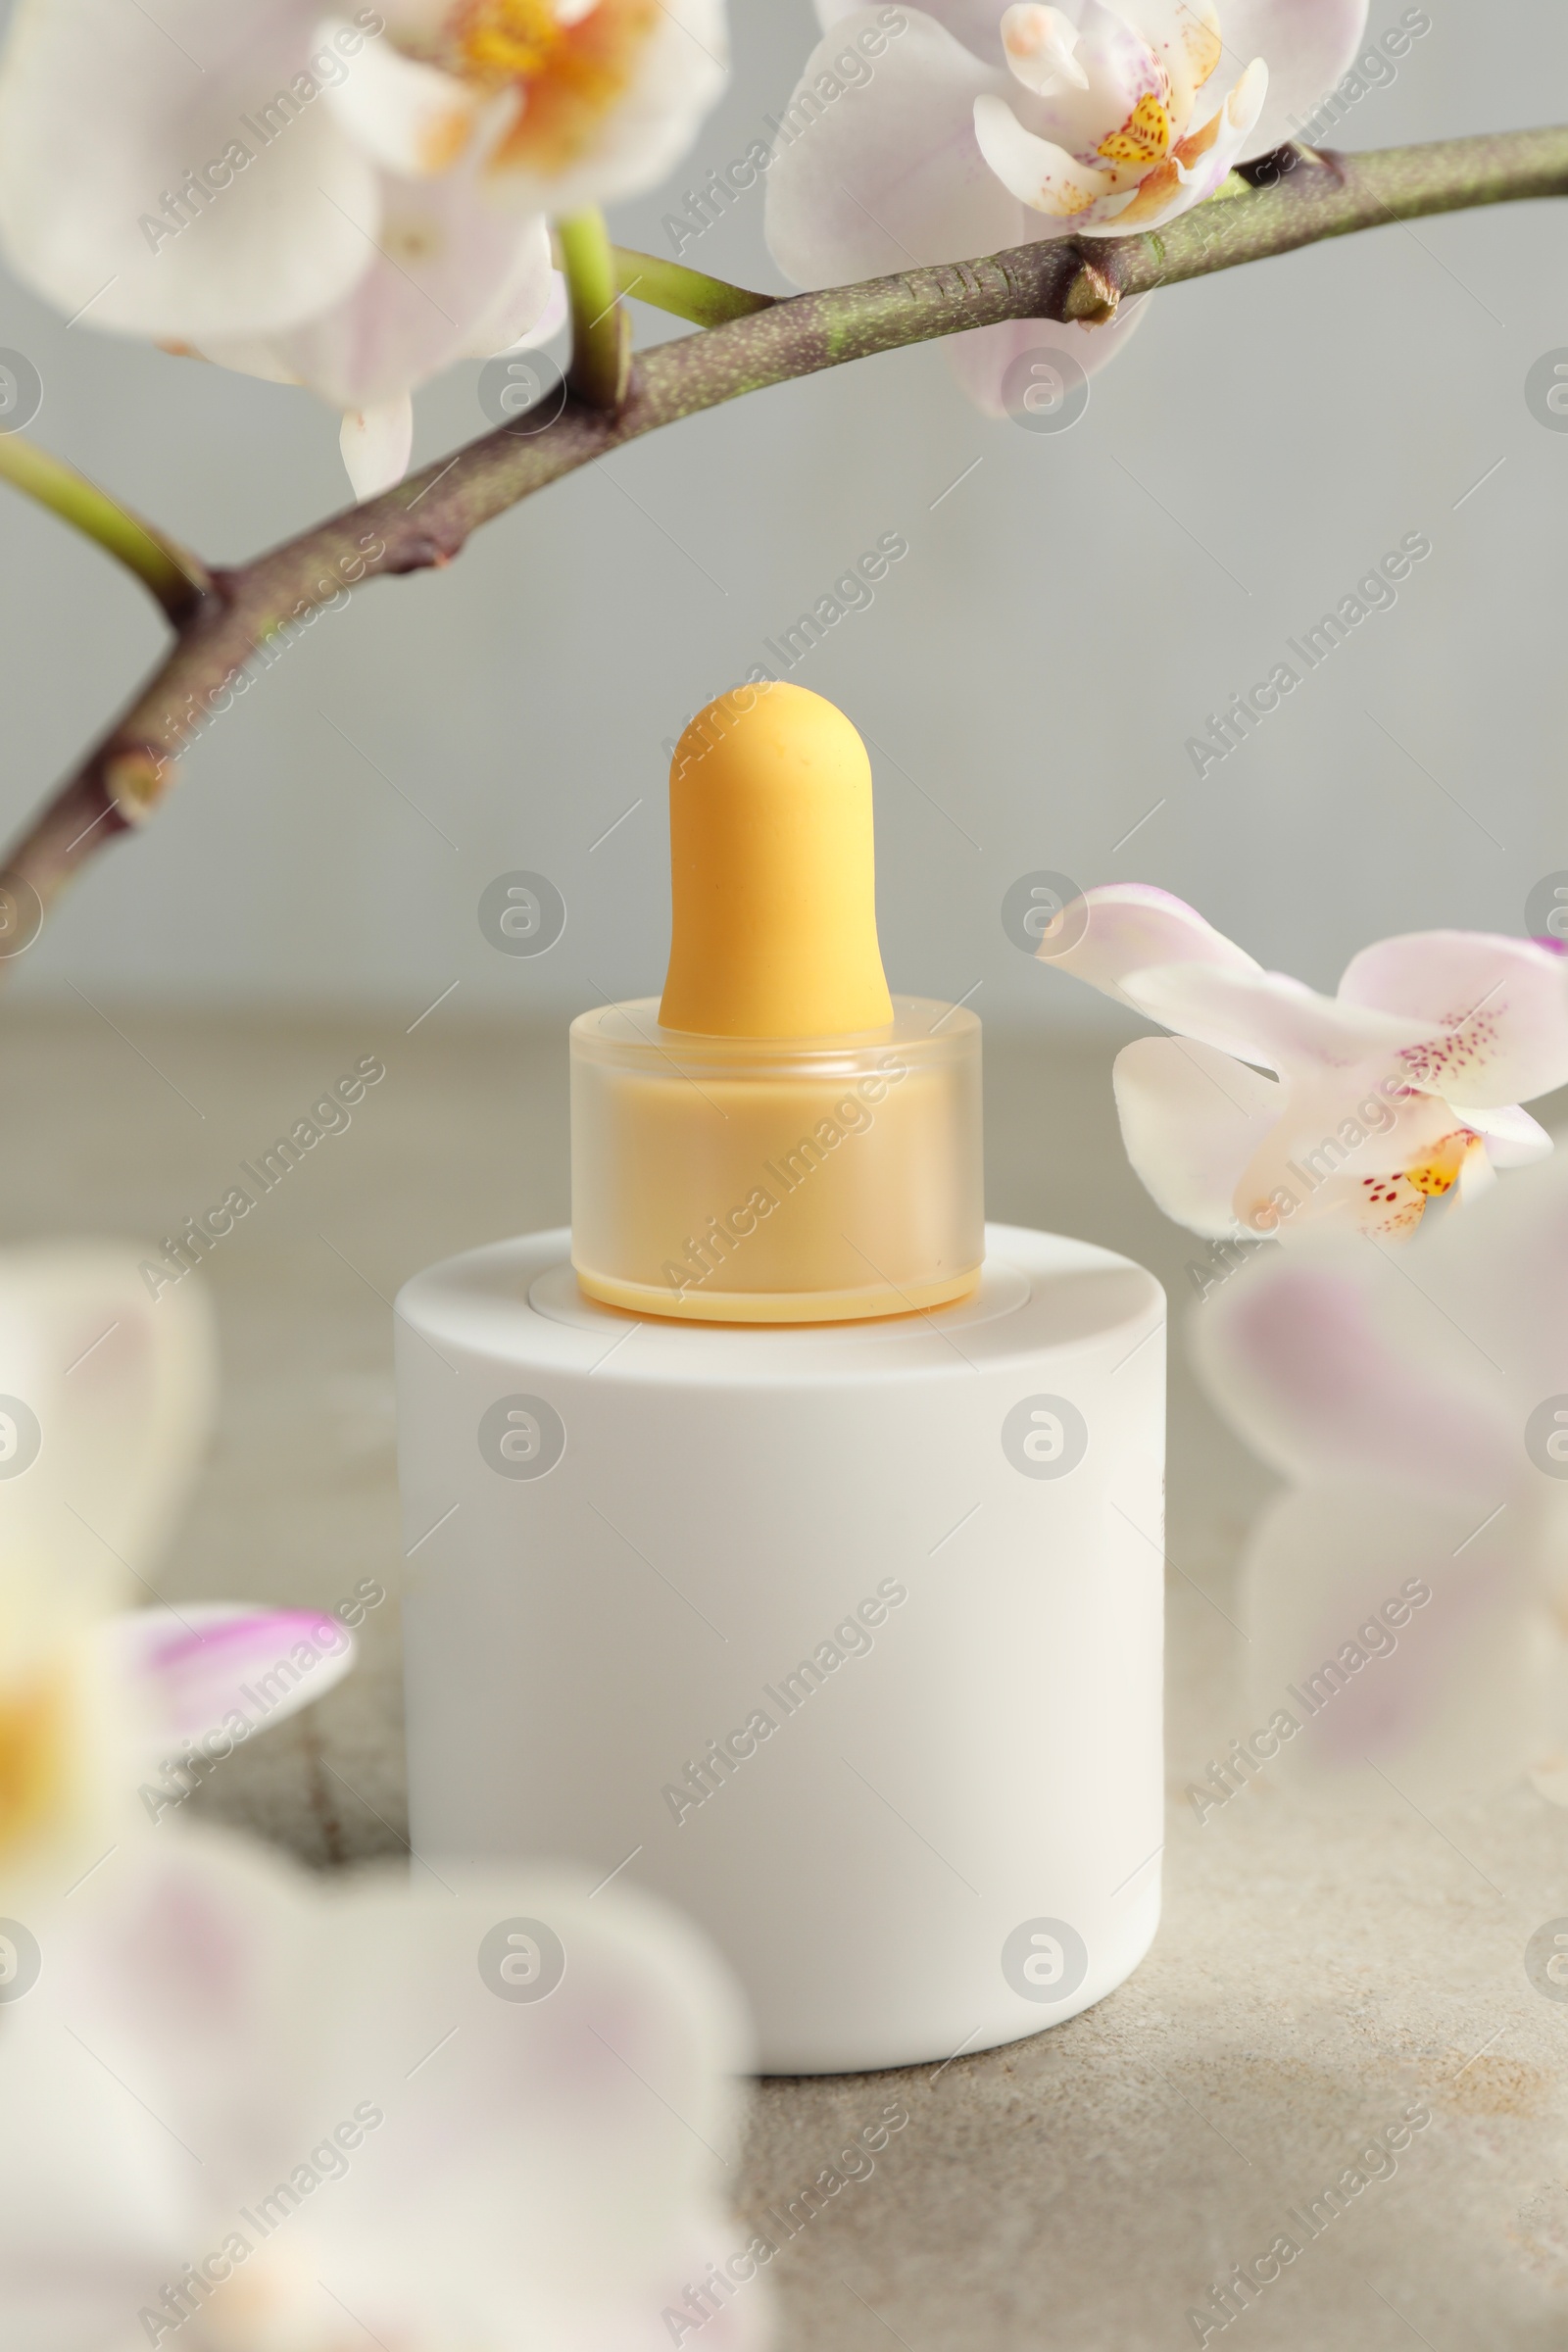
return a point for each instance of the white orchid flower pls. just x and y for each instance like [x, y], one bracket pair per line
[1272, 1108]
[939, 133]
[347, 202]
[249, 2112]
[104, 1406]
[1407, 1598]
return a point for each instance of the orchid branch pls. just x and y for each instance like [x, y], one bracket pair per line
[172, 575]
[427, 520]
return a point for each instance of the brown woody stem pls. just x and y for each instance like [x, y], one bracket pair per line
[428, 519]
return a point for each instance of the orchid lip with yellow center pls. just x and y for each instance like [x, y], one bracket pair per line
[1144, 138]
[1438, 1172]
[1396, 1203]
[1110, 136]
[503, 41]
[566, 66]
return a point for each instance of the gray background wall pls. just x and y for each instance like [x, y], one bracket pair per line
[1063, 621]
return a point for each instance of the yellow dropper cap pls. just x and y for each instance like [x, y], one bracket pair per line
[778, 1141]
[773, 872]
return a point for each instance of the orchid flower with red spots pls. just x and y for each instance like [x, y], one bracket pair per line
[964, 128]
[1272, 1108]
[1117, 150]
[1406, 1598]
[350, 202]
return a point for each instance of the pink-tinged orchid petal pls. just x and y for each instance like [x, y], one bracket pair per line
[1421, 1401]
[1404, 1636]
[1513, 1139]
[1039, 173]
[977, 24]
[982, 358]
[199, 1667]
[1130, 926]
[515, 324]
[495, 2113]
[104, 114]
[1375, 1124]
[1192, 1118]
[1268, 1017]
[377, 455]
[1328, 1371]
[376, 444]
[443, 262]
[887, 176]
[1308, 44]
[1495, 1010]
[1496, 1281]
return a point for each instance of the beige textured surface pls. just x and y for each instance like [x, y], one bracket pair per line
[1315, 1974]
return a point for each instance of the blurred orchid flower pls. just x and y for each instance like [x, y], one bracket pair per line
[1404, 1086]
[245, 2113]
[1407, 1598]
[104, 1407]
[349, 203]
[965, 127]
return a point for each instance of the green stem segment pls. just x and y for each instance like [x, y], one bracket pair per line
[428, 519]
[176, 578]
[601, 332]
[684, 293]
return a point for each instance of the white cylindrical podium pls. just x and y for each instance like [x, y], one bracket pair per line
[845, 1638]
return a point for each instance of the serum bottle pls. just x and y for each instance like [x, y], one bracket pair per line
[783, 1536]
